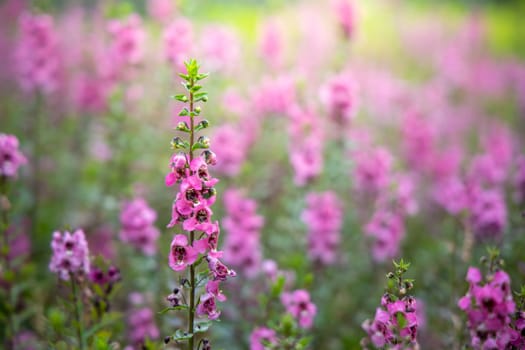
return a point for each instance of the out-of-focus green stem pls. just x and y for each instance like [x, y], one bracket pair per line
[78, 313]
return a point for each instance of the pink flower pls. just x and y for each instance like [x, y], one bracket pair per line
[10, 156]
[141, 325]
[70, 254]
[387, 230]
[339, 95]
[271, 45]
[385, 330]
[241, 246]
[37, 55]
[259, 334]
[274, 95]
[230, 148]
[324, 217]
[220, 271]
[178, 38]
[298, 304]
[488, 214]
[307, 160]
[221, 47]
[181, 254]
[212, 287]
[161, 10]
[345, 12]
[489, 307]
[372, 170]
[451, 194]
[207, 306]
[127, 43]
[137, 220]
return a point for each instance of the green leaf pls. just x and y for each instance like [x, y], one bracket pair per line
[278, 286]
[201, 76]
[173, 308]
[180, 97]
[181, 335]
[401, 320]
[202, 326]
[185, 112]
[195, 88]
[202, 125]
[303, 342]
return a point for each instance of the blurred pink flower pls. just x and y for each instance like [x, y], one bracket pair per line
[10, 156]
[323, 216]
[137, 229]
[298, 304]
[38, 54]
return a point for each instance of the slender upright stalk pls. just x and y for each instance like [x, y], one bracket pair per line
[37, 149]
[78, 313]
[4, 206]
[191, 309]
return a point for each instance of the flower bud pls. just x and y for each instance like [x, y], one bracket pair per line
[204, 141]
[209, 157]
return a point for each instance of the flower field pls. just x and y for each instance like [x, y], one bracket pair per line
[263, 175]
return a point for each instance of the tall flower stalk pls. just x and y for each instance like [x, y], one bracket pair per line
[192, 210]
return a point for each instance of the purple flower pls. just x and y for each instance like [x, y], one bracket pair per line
[38, 54]
[298, 304]
[339, 96]
[259, 334]
[488, 214]
[324, 217]
[241, 246]
[141, 325]
[207, 306]
[137, 220]
[10, 156]
[220, 271]
[181, 254]
[489, 307]
[178, 37]
[70, 254]
[386, 229]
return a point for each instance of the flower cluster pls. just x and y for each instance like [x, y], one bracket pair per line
[136, 219]
[346, 16]
[127, 43]
[306, 146]
[324, 217]
[141, 325]
[299, 305]
[386, 228]
[38, 56]
[70, 254]
[10, 156]
[178, 38]
[372, 170]
[489, 307]
[488, 214]
[191, 208]
[241, 246]
[261, 334]
[395, 323]
[339, 95]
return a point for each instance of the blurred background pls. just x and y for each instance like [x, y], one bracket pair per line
[354, 132]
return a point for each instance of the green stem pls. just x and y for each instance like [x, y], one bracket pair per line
[37, 144]
[78, 313]
[191, 309]
[10, 329]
